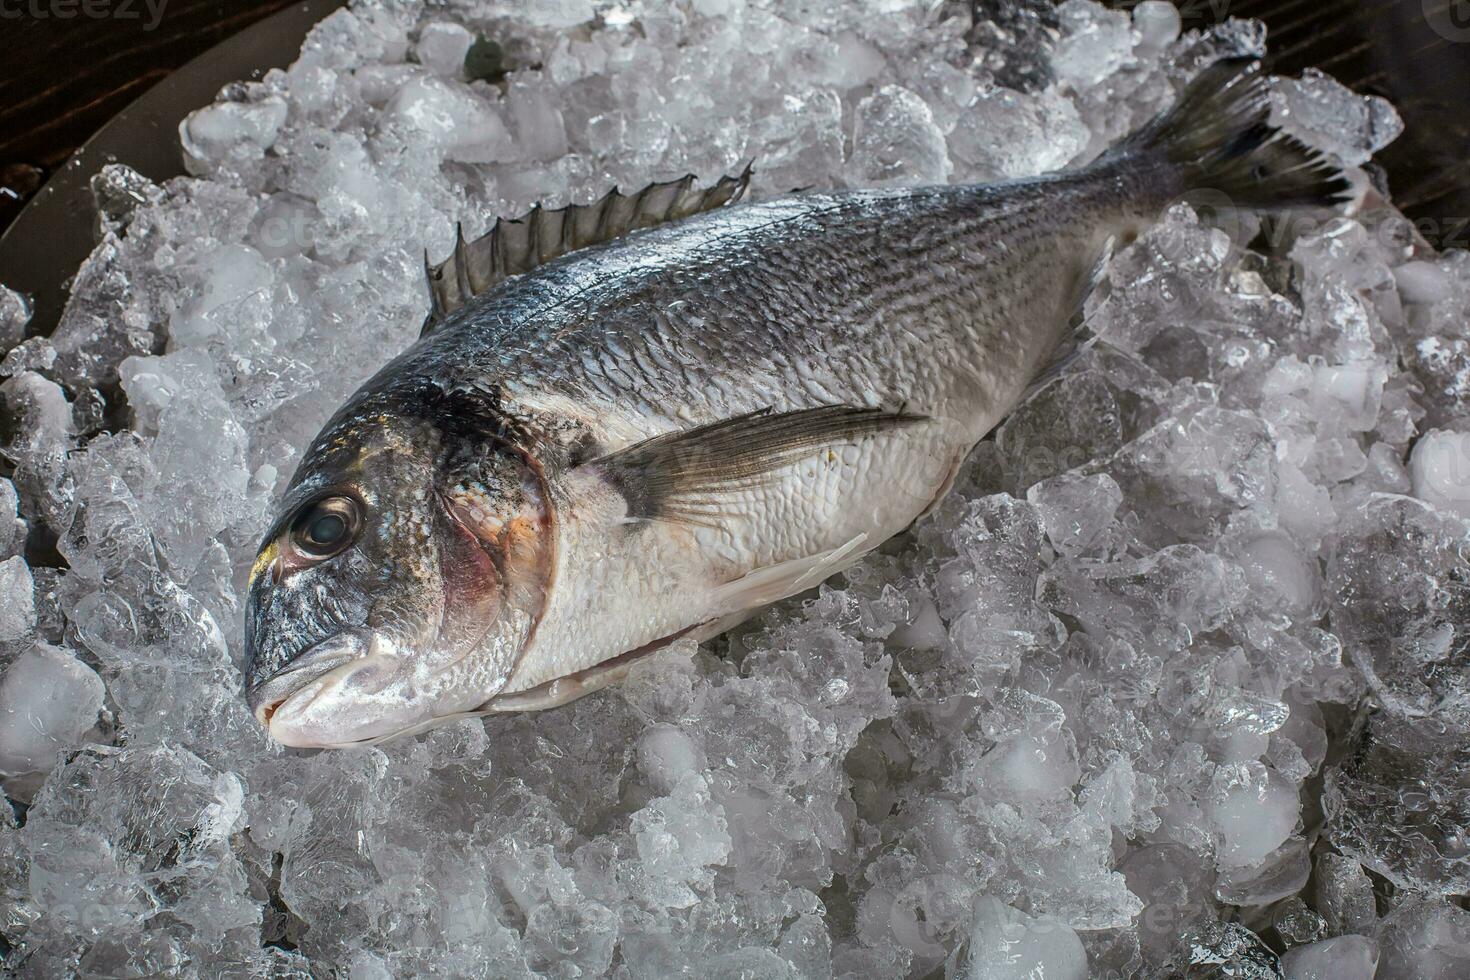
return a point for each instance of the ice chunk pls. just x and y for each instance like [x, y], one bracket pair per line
[1253, 809]
[118, 835]
[119, 191]
[234, 289]
[1028, 771]
[1165, 598]
[12, 526]
[1157, 23]
[1016, 134]
[1175, 885]
[1278, 875]
[1280, 573]
[48, 701]
[1345, 894]
[1009, 945]
[441, 47]
[1322, 112]
[1095, 42]
[1402, 618]
[1339, 958]
[1400, 804]
[1226, 950]
[666, 754]
[895, 140]
[451, 118]
[1297, 924]
[233, 134]
[1424, 939]
[1065, 425]
[1440, 467]
[1442, 365]
[17, 601]
[40, 440]
[1076, 509]
[199, 450]
[681, 838]
[15, 313]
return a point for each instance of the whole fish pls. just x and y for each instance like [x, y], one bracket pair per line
[612, 436]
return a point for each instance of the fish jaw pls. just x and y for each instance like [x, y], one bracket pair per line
[345, 690]
[332, 709]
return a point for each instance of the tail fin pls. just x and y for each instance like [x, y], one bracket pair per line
[1217, 137]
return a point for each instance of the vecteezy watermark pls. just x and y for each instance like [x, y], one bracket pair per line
[1450, 19]
[148, 11]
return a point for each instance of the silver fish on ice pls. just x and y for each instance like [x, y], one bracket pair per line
[645, 418]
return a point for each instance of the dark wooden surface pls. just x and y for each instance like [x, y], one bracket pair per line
[62, 78]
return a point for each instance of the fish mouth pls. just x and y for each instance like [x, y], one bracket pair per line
[299, 677]
[348, 691]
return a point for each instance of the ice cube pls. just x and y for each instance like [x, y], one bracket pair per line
[12, 526]
[48, 701]
[41, 438]
[448, 116]
[1254, 810]
[1323, 113]
[1338, 958]
[895, 140]
[1157, 23]
[17, 601]
[1440, 468]
[1396, 606]
[1345, 894]
[232, 134]
[1017, 134]
[1095, 42]
[1006, 944]
[119, 191]
[1064, 426]
[1400, 804]
[1226, 950]
[1424, 939]
[1076, 509]
[1442, 365]
[441, 47]
[15, 313]
[681, 838]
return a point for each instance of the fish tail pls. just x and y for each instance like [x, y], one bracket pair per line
[1218, 138]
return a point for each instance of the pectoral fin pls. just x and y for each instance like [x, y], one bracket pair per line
[679, 475]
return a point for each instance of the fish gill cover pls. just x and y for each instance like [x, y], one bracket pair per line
[1175, 682]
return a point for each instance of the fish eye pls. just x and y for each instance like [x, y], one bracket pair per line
[327, 527]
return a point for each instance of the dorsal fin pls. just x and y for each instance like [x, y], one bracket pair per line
[514, 247]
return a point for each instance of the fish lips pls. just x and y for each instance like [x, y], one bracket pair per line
[345, 692]
[277, 700]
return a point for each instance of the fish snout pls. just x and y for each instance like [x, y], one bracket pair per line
[266, 695]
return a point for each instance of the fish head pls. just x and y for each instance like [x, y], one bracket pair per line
[398, 587]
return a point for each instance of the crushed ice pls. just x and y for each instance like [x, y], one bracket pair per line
[1178, 679]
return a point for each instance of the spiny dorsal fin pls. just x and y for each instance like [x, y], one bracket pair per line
[514, 247]
[672, 477]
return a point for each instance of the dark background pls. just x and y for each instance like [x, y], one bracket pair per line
[62, 77]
